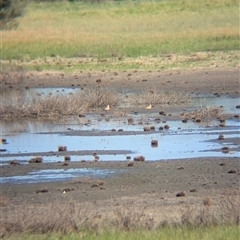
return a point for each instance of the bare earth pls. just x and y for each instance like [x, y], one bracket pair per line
[149, 185]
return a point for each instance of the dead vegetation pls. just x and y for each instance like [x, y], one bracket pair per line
[17, 105]
[203, 114]
[226, 211]
[154, 96]
[99, 97]
[72, 216]
[131, 218]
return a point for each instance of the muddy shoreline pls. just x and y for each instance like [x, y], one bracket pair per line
[151, 184]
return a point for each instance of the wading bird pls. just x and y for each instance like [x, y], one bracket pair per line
[107, 108]
[149, 107]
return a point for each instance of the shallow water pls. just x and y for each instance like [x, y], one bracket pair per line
[51, 175]
[182, 140]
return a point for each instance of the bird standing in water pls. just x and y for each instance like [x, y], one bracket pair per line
[107, 108]
[149, 107]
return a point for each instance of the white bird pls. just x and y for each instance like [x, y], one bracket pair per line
[107, 108]
[149, 107]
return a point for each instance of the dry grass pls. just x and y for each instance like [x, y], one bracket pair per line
[153, 95]
[66, 217]
[230, 207]
[99, 97]
[4, 201]
[204, 113]
[73, 216]
[131, 218]
[17, 105]
[12, 75]
[51, 106]
[226, 211]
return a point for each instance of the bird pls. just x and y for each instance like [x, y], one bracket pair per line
[107, 108]
[149, 107]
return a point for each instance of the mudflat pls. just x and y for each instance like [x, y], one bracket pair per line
[164, 189]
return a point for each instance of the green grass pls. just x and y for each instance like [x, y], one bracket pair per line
[123, 29]
[167, 233]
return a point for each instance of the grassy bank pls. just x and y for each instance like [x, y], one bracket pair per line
[206, 233]
[123, 29]
[74, 220]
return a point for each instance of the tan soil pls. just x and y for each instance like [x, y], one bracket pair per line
[149, 185]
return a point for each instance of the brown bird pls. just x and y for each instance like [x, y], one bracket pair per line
[149, 107]
[107, 108]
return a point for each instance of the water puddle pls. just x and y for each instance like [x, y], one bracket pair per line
[52, 91]
[55, 175]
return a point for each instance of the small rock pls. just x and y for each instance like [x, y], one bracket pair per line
[36, 160]
[62, 148]
[193, 190]
[67, 158]
[139, 159]
[42, 190]
[179, 168]
[207, 201]
[166, 127]
[225, 150]
[221, 137]
[14, 162]
[154, 143]
[130, 164]
[181, 194]
[152, 128]
[146, 129]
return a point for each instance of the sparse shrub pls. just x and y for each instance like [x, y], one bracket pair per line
[99, 97]
[54, 105]
[203, 113]
[130, 120]
[19, 105]
[155, 96]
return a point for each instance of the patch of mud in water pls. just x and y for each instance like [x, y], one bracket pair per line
[54, 175]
